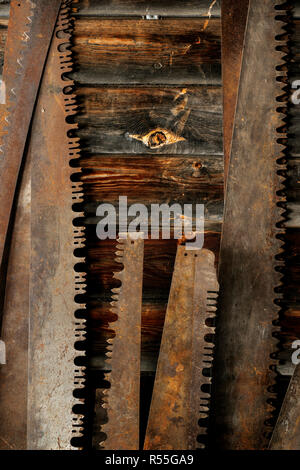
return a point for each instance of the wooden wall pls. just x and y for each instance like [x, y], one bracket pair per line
[146, 65]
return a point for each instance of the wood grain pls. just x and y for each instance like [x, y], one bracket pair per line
[189, 8]
[112, 118]
[138, 51]
[153, 179]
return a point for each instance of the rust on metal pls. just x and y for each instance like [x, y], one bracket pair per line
[123, 397]
[54, 284]
[286, 435]
[243, 366]
[15, 322]
[234, 17]
[14, 375]
[179, 400]
[30, 29]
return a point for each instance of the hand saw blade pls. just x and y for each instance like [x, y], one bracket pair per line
[250, 243]
[55, 287]
[234, 17]
[179, 397]
[123, 397]
[30, 30]
[286, 435]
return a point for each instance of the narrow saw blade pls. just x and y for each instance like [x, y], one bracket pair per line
[30, 29]
[123, 397]
[286, 435]
[179, 397]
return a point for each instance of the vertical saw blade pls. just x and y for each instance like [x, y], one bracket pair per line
[55, 286]
[123, 397]
[250, 242]
[179, 397]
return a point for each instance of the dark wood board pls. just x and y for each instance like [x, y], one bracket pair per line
[112, 119]
[178, 8]
[171, 51]
[158, 178]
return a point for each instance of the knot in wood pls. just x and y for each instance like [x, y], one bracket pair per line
[156, 139]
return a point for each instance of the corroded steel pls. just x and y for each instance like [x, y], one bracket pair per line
[234, 17]
[179, 401]
[13, 376]
[30, 29]
[286, 435]
[54, 284]
[243, 367]
[122, 399]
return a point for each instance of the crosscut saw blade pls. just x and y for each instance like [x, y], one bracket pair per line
[286, 435]
[123, 397]
[250, 242]
[234, 17]
[54, 284]
[180, 398]
[30, 29]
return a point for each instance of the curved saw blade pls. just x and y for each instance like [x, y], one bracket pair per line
[179, 397]
[30, 29]
[123, 397]
[250, 242]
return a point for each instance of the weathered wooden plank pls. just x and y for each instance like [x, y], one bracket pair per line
[178, 8]
[153, 178]
[147, 52]
[169, 120]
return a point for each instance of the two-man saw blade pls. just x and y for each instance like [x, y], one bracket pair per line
[55, 287]
[249, 245]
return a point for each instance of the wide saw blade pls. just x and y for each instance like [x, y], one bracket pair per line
[56, 289]
[123, 397]
[251, 235]
[180, 396]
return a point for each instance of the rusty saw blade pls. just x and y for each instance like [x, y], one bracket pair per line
[180, 398]
[30, 29]
[123, 397]
[286, 435]
[250, 242]
[234, 17]
[55, 287]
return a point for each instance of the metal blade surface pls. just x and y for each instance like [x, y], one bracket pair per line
[30, 29]
[123, 398]
[248, 279]
[54, 284]
[179, 400]
[286, 435]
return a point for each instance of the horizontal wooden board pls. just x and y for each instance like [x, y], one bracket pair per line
[170, 120]
[147, 52]
[190, 8]
[151, 178]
